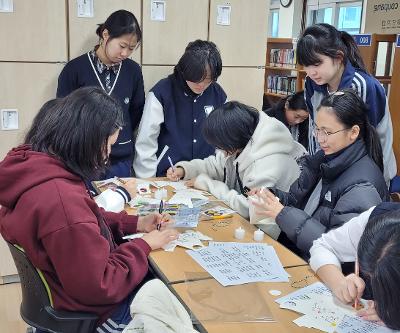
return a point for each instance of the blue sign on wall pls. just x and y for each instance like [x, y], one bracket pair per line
[398, 41]
[363, 39]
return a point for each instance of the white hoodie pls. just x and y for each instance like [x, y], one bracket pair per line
[267, 160]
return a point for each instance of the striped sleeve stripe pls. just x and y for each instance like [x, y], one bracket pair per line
[360, 85]
[124, 193]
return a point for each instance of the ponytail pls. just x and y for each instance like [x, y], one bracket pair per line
[353, 53]
[373, 144]
[99, 30]
[120, 23]
[324, 39]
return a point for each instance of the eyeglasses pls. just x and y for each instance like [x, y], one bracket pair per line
[323, 134]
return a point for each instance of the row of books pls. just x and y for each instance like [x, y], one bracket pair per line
[283, 58]
[284, 85]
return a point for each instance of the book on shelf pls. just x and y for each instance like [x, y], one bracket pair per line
[284, 85]
[283, 58]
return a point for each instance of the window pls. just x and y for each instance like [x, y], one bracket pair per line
[273, 23]
[343, 14]
[349, 18]
[320, 15]
[273, 18]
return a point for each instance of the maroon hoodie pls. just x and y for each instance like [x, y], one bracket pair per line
[47, 211]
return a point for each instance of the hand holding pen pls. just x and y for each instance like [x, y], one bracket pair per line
[174, 173]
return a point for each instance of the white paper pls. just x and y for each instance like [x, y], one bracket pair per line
[224, 15]
[233, 263]
[303, 293]
[177, 186]
[142, 201]
[323, 312]
[357, 325]
[6, 6]
[157, 10]
[185, 197]
[190, 239]
[85, 8]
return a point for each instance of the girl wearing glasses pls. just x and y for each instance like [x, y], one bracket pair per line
[175, 110]
[339, 182]
[332, 61]
[372, 240]
[108, 66]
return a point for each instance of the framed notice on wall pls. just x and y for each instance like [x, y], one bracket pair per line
[382, 16]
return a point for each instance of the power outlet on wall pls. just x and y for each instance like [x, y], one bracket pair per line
[9, 119]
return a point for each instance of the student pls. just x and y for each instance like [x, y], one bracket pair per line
[372, 238]
[176, 108]
[339, 182]
[253, 150]
[108, 66]
[332, 61]
[47, 210]
[292, 111]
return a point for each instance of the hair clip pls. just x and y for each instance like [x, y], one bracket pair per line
[338, 93]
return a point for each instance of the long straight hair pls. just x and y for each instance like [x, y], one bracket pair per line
[351, 110]
[325, 39]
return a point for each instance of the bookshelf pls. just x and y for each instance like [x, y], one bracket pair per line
[368, 45]
[282, 75]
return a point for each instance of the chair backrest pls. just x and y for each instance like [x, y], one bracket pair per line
[37, 305]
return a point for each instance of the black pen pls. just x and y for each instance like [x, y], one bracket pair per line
[160, 211]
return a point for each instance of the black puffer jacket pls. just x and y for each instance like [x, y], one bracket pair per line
[351, 184]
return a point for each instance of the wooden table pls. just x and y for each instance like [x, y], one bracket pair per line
[172, 267]
[181, 273]
[283, 318]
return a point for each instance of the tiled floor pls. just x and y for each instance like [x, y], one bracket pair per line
[10, 320]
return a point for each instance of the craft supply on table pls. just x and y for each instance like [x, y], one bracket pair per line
[161, 194]
[258, 235]
[186, 217]
[239, 233]
[217, 212]
[189, 239]
[274, 292]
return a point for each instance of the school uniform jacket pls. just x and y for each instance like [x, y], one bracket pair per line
[173, 116]
[351, 183]
[373, 94]
[267, 160]
[78, 246]
[128, 90]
